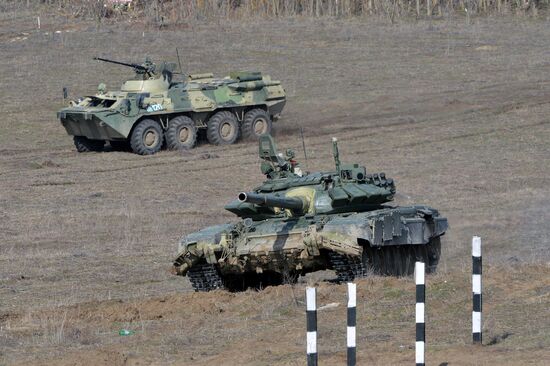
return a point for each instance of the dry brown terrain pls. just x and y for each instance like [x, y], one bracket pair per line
[458, 114]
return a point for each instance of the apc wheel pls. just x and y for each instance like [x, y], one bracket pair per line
[223, 129]
[146, 138]
[181, 133]
[256, 123]
[84, 144]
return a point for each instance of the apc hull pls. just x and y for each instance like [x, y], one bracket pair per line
[111, 125]
[93, 125]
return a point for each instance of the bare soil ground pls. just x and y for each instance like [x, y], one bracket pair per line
[457, 114]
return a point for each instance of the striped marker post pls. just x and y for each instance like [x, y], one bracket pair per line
[476, 289]
[419, 275]
[352, 321]
[311, 324]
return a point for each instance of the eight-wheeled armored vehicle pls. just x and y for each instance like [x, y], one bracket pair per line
[151, 110]
[296, 223]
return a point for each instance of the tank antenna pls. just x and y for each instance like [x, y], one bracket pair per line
[303, 144]
[336, 154]
[65, 94]
[179, 61]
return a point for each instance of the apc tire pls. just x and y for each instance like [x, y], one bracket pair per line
[84, 144]
[146, 138]
[181, 133]
[256, 123]
[223, 129]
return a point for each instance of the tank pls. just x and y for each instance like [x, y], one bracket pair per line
[295, 223]
[152, 110]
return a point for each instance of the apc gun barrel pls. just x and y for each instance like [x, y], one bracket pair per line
[292, 203]
[136, 66]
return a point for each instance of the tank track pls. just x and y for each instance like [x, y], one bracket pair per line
[346, 268]
[204, 277]
[386, 261]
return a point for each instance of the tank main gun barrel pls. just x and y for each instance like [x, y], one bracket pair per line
[269, 200]
[135, 66]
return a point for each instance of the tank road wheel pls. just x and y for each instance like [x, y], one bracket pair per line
[146, 138]
[181, 133]
[256, 123]
[399, 260]
[434, 252]
[408, 260]
[421, 255]
[84, 144]
[223, 129]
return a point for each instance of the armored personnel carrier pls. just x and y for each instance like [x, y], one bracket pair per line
[297, 223]
[151, 110]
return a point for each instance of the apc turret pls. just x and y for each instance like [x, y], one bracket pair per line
[152, 109]
[297, 223]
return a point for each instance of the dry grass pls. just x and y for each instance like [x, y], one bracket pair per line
[456, 113]
[202, 329]
[165, 13]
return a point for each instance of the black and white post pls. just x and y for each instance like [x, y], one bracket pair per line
[352, 321]
[476, 289]
[419, 274]
[311, 324]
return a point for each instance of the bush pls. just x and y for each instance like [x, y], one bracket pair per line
[175, 11]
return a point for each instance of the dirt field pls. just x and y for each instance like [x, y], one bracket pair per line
[457, 114]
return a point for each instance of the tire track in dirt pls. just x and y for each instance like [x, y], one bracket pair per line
[228, 152]
[505, 107]
[474, 134]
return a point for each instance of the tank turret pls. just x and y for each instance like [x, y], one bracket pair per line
[347, 189]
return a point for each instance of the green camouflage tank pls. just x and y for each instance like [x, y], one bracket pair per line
[297, 223]
[152, 110]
